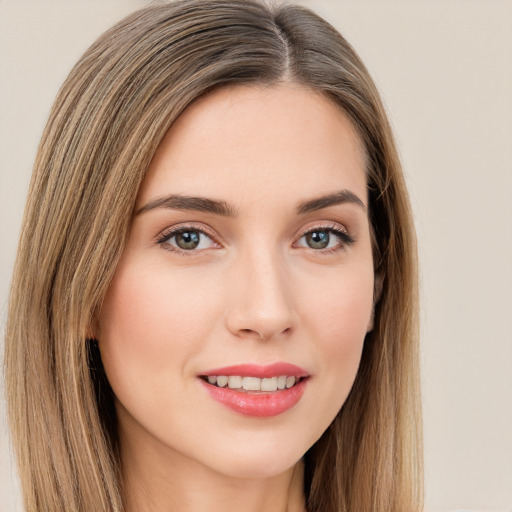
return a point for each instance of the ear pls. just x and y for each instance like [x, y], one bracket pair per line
[378, 284]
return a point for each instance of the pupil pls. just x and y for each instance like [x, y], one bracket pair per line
[187, 240]
[318, 239]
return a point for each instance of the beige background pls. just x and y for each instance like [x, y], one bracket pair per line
[445, 70]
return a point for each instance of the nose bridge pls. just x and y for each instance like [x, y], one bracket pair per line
[262, 302]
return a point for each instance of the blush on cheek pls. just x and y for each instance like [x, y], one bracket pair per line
[150, 318]
[342, 319]
[345, 312]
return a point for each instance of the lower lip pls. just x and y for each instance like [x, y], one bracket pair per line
[262, 405]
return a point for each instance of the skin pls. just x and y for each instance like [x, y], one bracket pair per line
[253, 291]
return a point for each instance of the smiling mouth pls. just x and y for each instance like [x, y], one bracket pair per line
[253, 384]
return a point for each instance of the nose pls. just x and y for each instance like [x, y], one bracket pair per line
[262, 297]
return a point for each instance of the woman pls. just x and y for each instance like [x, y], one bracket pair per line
[214, 301]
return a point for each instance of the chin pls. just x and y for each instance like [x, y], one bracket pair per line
[259, 458]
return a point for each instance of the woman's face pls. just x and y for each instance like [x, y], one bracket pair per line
[248, 262]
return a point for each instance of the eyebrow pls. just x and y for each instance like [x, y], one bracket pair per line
[218, 207]
[198, 204]
[339, 197]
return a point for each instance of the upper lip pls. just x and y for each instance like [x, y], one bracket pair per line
[261, 371]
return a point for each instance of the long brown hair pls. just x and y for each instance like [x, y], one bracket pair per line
[106, 123]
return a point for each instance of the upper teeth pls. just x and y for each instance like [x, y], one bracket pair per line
[252, 383]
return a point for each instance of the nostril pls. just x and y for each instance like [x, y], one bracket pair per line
[263, 334]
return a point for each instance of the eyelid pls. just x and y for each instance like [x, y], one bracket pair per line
[346, 239]
[322, 224]
[171, 231]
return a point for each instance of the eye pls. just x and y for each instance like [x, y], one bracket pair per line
[186, 239]
[325, 239]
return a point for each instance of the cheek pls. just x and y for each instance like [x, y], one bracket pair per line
[338, 321]
[341, 309]
[150, 325]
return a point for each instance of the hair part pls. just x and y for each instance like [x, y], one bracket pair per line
[106, 123]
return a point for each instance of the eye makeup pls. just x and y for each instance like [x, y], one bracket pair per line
[187, 239]
[319, 238]
[190, 239]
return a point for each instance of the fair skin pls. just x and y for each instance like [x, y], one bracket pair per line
[267, 276]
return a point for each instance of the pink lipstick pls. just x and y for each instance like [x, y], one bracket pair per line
[254, 390]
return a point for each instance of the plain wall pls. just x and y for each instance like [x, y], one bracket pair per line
[444, 68]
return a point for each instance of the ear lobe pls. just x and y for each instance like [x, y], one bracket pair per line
[378, 285]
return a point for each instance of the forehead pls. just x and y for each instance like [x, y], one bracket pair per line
[249, 141]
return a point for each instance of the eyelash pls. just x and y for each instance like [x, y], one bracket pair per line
[345, 240]
[172, 232]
